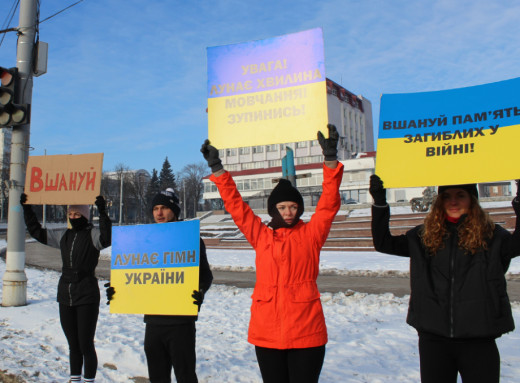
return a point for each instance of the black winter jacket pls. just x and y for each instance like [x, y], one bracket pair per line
[205, 280]
[453, 294]
[78, 284]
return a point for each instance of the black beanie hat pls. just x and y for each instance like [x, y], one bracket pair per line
[284, 191]
[167, 198]
[470, 188]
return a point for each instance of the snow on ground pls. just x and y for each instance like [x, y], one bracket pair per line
[369, 340]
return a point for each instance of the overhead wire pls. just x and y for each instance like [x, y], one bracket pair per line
[9, 18]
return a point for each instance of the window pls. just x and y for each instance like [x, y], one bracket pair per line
[275, 163]
[302, 144]
[231, 152]
[245, 150]
[233, 167]
[258, 149]
[272, 148]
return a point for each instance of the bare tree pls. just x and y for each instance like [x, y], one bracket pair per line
[191, 187]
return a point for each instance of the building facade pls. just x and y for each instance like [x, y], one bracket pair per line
[256, 169]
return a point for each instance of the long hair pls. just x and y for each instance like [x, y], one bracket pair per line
[474, 231]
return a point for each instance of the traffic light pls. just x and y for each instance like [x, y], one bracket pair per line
[11, 113]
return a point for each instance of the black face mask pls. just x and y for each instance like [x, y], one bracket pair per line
[78, 223]
[278, 222]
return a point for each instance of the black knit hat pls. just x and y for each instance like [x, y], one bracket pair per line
[169, 199]
[470, 188]
[284, 191]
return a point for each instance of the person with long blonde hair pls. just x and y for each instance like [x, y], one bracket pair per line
[458, 301]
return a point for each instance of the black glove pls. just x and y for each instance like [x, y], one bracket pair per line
[377, 190]
[101, 204]
[110, 291]
[210, 154]
[198, 295]
[23, 201]
[329, 146]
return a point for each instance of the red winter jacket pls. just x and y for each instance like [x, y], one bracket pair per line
[286, 311]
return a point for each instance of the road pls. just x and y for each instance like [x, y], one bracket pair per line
[45, 257]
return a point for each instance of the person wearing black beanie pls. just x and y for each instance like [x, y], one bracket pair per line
[458, 302]
[169, 340]
[287, 325]
[284, 193]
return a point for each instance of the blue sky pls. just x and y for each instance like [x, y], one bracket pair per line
[128, 77]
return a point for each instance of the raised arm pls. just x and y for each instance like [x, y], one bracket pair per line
[31, 221]
[243, 216]
[329, 146]
[384, 242]
[105, 225]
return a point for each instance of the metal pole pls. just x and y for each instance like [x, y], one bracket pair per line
[14, 291]
[121, 200]
[184, 196]
[44, 222]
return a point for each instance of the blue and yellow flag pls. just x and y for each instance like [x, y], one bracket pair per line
[456, 136]
[155, 268]
[268, 91]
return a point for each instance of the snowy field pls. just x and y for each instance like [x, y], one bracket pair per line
[369, 340]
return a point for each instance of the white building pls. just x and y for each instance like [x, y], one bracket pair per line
[256, 169]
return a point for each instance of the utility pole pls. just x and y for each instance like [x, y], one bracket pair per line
[184, 196]
[121, 200]
[14, 291]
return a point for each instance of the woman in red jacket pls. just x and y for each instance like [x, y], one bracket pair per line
[287, 325]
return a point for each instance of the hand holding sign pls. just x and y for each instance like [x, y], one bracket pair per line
[210, 154]
[198, 296]
[329, 145]
[101, 204]
[377, 190]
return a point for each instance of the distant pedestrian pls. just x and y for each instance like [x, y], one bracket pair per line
[458, 303]
[78, 290]
[287, 324]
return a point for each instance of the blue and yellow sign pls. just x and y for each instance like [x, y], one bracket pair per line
[456, 136]
[268, 91]
[155, 268]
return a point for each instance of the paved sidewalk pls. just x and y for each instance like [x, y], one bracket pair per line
[45, 257]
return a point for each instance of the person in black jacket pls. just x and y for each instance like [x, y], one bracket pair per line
[78, 290]
[458, 302]
[169, 340]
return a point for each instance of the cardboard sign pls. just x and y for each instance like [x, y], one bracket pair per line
[155, 268]
[64, 179]
[268, 91]
[456, 136]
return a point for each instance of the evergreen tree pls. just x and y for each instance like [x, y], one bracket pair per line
[166, 177]
[153, 189]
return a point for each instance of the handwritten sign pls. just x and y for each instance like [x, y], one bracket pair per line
[155, 268]
[268, 91]
[64, 179]
[456, 136]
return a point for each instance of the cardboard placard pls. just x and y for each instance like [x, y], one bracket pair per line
[67, 179]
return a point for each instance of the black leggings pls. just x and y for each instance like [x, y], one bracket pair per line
[295, 365]
[167, 346]
[79, 325]
[477, 360]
